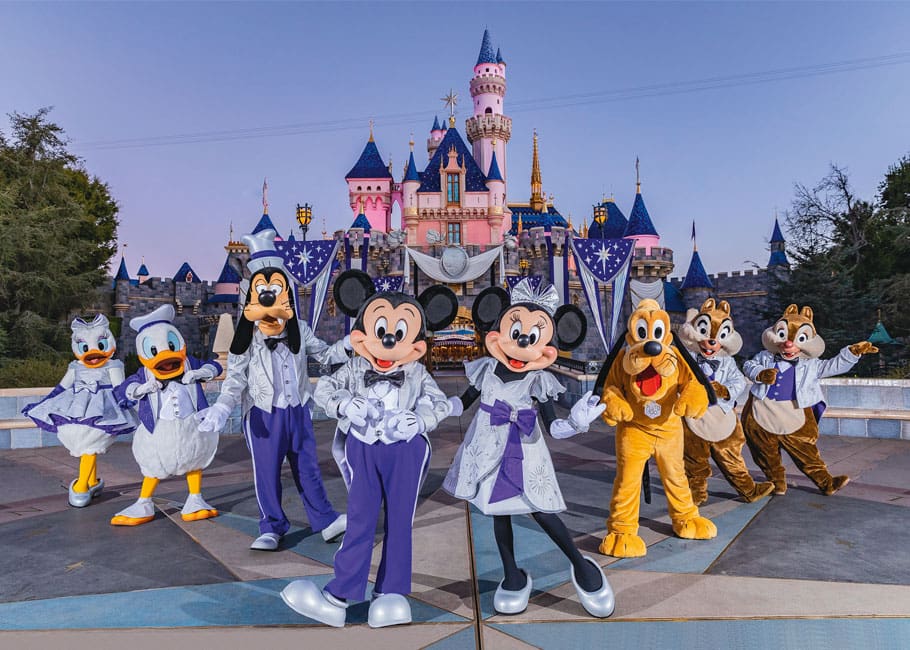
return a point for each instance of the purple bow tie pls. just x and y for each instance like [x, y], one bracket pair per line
[510, 481]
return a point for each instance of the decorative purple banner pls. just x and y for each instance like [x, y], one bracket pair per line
[512, 280]
[388, 283]
[603, 257]
[604, 261]
[306, 260]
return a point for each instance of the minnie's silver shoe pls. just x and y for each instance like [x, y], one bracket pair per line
[512, 602]
[389, 609]
[598, 603]
[307, 599]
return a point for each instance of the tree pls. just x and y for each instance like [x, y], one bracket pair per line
[59, 228]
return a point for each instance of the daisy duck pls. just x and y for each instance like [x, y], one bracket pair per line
[503, 466]
[267, 376]
[167, 392]
[82, 409]
[386, 402]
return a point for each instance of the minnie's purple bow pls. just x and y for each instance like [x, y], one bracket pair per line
[509, 482]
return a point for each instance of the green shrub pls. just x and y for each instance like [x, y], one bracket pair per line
[32, 373]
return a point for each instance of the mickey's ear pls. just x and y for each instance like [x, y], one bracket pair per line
[440, 306]
[351, 290]
[571, 327]
[488, 305]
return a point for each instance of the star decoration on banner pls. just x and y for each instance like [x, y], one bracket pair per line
[305, 259]
[604, 257]
[387, 283]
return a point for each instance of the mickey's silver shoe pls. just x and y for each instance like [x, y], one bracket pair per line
[78, 499]
[598, 603]
[512, 602]
[309, 600]
[389, 609]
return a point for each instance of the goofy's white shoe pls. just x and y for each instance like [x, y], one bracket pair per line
[335, 529]
[389, 609]
[307, 599]
[266, 542]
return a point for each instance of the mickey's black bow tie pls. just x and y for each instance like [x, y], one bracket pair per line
[371, 377]
[272, 343]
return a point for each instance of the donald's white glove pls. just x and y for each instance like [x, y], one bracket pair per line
[190, 376]
[135, 391]
[403, 425]
[213, 418]
[456, 408]
[359, 410]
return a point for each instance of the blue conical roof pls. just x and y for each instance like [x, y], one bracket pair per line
[487, 54]
[475, 181]
[776, 235]
[673, 300]
[142, 270]
[494, 174]
[639, 220]
[778, 258]
[499, 56]
[122, 273]
[186, 274]
[880, 336]
[369, 165]
[436, 126]
[228, 274]
[615, 225]
[265, 223]
[362, 222]
[412, 174]
[696, 278]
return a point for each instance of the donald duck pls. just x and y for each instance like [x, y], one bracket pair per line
[168, 441]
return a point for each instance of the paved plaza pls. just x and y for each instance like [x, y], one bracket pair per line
[797, 571]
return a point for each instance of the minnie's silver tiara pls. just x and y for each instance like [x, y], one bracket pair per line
[546, 297]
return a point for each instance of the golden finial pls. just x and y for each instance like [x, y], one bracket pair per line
[538, 201]
[584, 229]
[371, 130]
[569, 222]
[450, 101]
[411, 141]
[359, 205]
[519, 223]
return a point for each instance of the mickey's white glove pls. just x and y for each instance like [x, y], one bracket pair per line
[585, 411]
[135, 391]
[403, 425]
[347, 343]
[213, 418]
[190, 376]
[456, 408]
[561, 429]
[359, 410]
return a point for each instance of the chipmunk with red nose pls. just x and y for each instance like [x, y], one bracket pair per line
[786, 400]
[710, 336]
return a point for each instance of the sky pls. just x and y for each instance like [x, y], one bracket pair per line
[727, 105]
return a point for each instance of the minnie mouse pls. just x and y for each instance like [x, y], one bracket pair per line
[503, 466]
[386, 403]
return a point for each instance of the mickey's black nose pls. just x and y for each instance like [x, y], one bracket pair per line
[266, 298]
[653, 348]
[523, 341]
[389, 341]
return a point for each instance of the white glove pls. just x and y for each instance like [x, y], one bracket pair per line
[347, 343]
[359, 410]
[403, 425]
[213, 418]
[456, 408]
[151, 385]
[561, 429]
[585, 411]
[190, 376]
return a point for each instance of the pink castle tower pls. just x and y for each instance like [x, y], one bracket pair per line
[370, 185]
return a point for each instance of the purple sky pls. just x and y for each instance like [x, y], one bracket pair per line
[725, 156]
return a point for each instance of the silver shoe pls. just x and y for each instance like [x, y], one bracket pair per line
[307, 599]
[335, 529]
[512, 602]
[598, 603]
[78, 499]
[266, 542]
[95, 489]
[389, 609]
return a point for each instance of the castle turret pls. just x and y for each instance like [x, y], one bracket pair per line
[227, 286]
[409, 186]
[608, 221]
[489, 130]
[778, 248]
[651, 261]
[143, 273]
[370, 185]
[696, 286]
[436, 134]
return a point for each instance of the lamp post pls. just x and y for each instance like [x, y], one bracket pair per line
[523, 266]
[600, 216]
[304, 217]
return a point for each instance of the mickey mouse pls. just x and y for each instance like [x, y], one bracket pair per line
[503, 466]
[386, 403]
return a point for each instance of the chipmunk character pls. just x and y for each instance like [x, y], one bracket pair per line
[503, 466]
[648, 388]
[168, 442]
[82, 409]
[267, 376]
[386, 402]
[786, 400]
[710, 336]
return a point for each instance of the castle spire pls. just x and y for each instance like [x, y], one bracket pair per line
[537, 199]
[265, 196]
[637, 177]
[371, 131]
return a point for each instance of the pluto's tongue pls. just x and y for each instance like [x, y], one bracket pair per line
[648, 381]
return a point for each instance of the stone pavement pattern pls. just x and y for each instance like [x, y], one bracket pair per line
[801, 571]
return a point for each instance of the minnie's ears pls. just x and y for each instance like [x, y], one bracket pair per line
[351, 290]
[488, 305]
[571, 327]
[439, 305]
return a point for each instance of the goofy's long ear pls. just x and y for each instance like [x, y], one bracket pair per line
[571, 327]
[488, 306]
[243, 336]
[439, 305]
[696, 370]
[611, 359]
[351, 290]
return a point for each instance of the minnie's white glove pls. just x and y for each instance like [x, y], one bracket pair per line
[213, 418]
[403, 425]
[585, 411]
[358, 410]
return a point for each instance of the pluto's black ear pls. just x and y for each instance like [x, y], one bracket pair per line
[571, 327]
[488, 306]
[696, 369]
[611, 359]
[351, 290]
[440, 306]
[243, 336]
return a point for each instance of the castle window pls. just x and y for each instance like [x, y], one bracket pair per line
[454, 233]
[453, 189]
[487, 69]
[488, 111]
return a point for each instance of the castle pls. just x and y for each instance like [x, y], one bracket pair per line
[459, 201]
